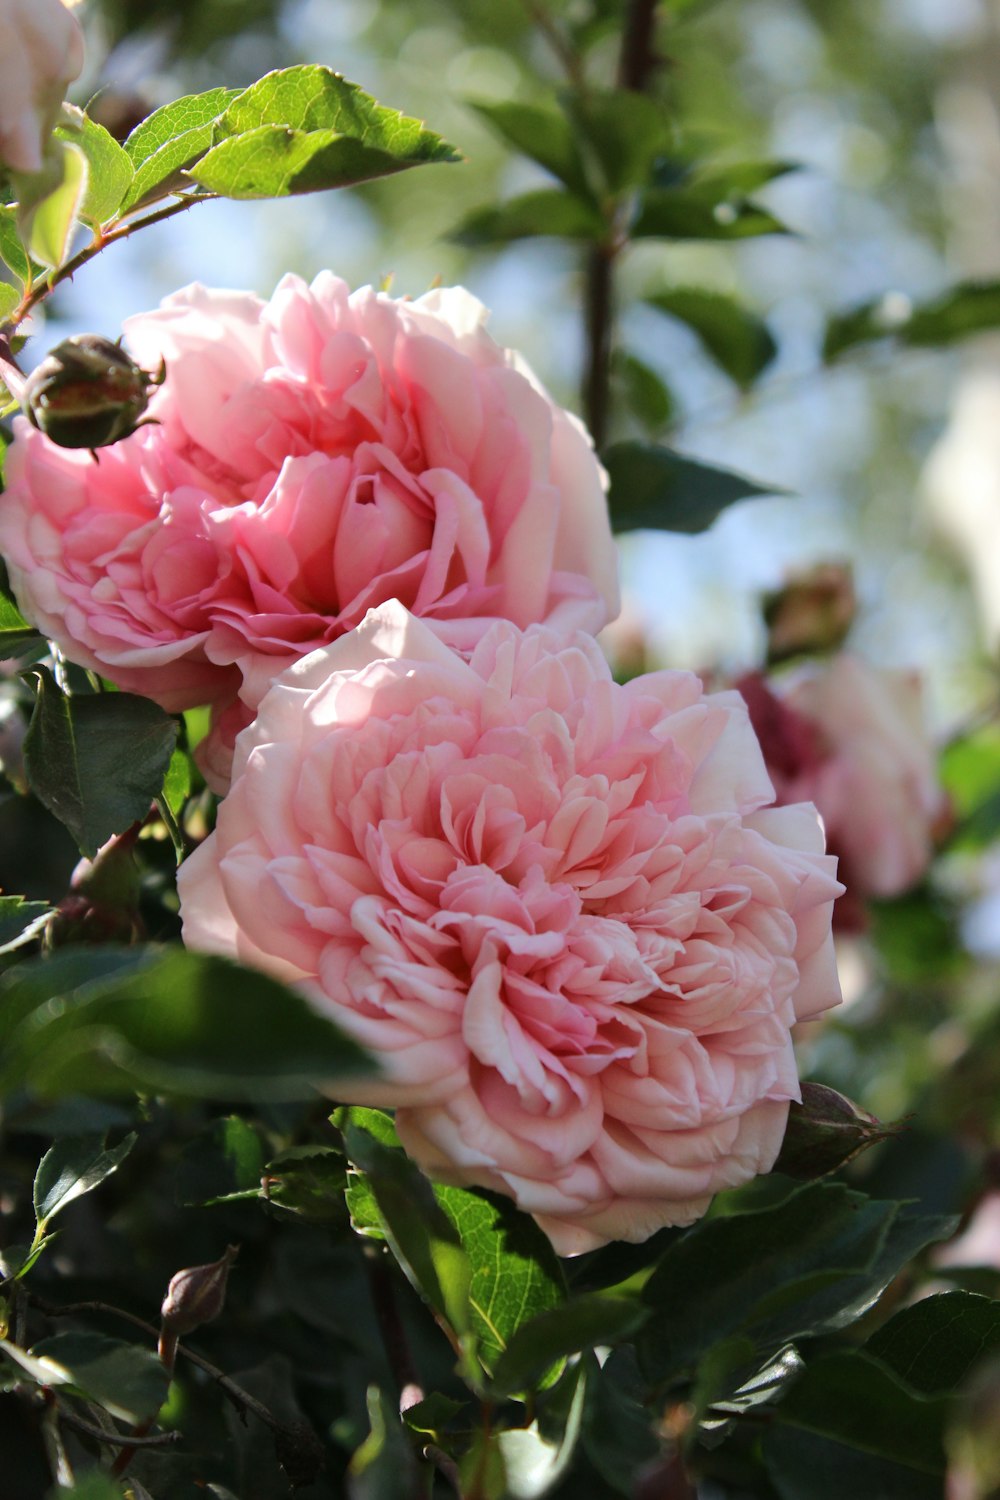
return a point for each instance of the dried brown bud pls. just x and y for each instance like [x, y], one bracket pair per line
[196, 1295]
[812, 612]
[825, 1131]
[87, 393]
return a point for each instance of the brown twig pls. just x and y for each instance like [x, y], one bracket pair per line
[117, 1439]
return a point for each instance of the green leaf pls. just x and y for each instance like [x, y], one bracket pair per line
[542, 132]
[9, 299]
[515, 1272]
[126, 1380]
[646, 396]
[109, 169]
[46, 226]
[815, 1261]
[934, 1344]
[307, 1181]
[174, 120]
[177, 782]
[625, 132]
[71, 1168]
[701, 211]
[619, 1436]
[96, 762]
[421, 1236]
[970, 307]
[225, 1161]
[16, 635]
[738, 341]
[163, 1020]
[536, 1457]
[383, 1468]
[12, 251]
[849, 1426]
[970, 774]
[547, 211]
[92, 1485]
[579, 1324]
[304, 129]
[653, 487]
[20, 920]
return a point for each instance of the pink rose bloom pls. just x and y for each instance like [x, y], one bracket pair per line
[41, 52]
[558, 911]
[851, 739]
[315, 456]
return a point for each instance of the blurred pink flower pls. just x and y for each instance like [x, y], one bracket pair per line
[558, 911]
[41, 52]
[314, 456]
[851, 739]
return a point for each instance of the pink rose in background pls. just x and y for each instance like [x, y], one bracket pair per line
[315, 456]
[41, 54]
[558, 911]
[851, 739]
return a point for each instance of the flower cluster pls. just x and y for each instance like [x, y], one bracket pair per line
[561, 913]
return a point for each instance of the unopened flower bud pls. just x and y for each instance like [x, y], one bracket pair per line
[196, 1295]
[812, 612]
[825, 1132]
[87, 393]
[102, 904]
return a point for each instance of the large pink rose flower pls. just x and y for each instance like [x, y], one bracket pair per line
[314, 456]
[558, 911]
[851, 738]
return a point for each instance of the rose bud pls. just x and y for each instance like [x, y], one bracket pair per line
[87, 393]
[825, 1132]
[102, 904]
[812, 612]
[196, 1295]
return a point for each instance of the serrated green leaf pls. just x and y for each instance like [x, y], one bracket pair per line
[46, 225]
[12, 252]
[421, 1236]
[515, 1272]
[542, 132]
[934, 1344]
[163, 1020]
[18, 918]
[739, 342]
[128, 1381]
[308, 1181]
[109, 169]
[174, 120]
[652, 487]
[546, 212]
[699, 211]
[96, 762]
[552, 1335]
[849, 1426]
[71, 1168]
[274, 161]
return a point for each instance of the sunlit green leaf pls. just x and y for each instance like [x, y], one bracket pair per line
[73, 1167]
[109, 169]
[175, 120]
[18, 918]
[654, 488]
[551, 1335]
[128, 1381]
[46, 226]
[96, 762]
[12, 251]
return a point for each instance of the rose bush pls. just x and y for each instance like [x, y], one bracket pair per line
[559, 912]
[41, 53]
[851, 739]
[313, 456]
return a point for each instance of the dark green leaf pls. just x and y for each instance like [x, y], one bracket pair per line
[545, 212]
[12, 251]
[646, 396]
[432, 1413]
[626, 132]
[71, 1168]
[163, 1020]
[515, 1272]
[421, 1236]
[657, 489]
[848, 1426]
[96, 762]
[815, 1261]
[109, 169]
[738, 341]
[970, 307]
[126, 1380]
[579, 1324]
[16, 635]
[19, 919]
[543, 132]
[699, 211]
[934, 1344]
[536, 1457]
[92, 1485]
[383, 1468]
[308, 1181]
[619, 1435]
[225, 1161]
